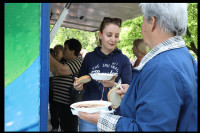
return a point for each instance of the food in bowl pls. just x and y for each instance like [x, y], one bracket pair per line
[92, 106]
[102, 76]
[89, 105]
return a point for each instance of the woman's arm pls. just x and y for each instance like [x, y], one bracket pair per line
[58, 68]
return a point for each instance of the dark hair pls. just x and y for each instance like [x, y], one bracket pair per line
[108, 20]
[75, 45]
[52, 52]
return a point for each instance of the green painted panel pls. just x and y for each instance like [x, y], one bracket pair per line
[22, 38]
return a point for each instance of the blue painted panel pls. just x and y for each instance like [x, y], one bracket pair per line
[33, 127]
[22, 101]
[44, 45]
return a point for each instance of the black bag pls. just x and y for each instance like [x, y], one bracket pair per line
[76, 96]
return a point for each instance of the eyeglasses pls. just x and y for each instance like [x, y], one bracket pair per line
[117, 21]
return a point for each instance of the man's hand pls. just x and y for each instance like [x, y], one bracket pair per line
[122, 92]
[91, 117]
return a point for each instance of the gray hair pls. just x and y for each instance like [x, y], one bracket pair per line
[172, 17]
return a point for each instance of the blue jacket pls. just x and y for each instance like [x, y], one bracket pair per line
[162, 95]
[96, 61]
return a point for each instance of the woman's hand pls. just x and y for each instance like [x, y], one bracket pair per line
[108, 83]
[91, 117]
[122, 92]
[78, 86]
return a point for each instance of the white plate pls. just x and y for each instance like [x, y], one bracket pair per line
[101, 76]
[102, 109]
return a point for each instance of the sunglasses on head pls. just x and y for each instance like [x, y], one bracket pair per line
[115, 20]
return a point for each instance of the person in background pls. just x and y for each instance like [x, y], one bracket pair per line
[106, 58]
[52, 53]
[63, 83]
[140, 49]
[57, 53]
[83, 53]
[53, 113]
[163, 97]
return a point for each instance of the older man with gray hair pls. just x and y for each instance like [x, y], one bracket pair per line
[163, 94]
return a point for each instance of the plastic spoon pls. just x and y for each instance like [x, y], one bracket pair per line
[119, 84]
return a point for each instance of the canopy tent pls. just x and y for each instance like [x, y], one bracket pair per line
[88, 16]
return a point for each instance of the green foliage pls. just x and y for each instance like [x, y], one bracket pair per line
[87, 39]
[192, 26]
[130, 31]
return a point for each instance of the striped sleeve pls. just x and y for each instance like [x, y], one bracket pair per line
[74, 66]
[107, 122]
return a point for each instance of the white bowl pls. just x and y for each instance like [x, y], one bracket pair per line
[101, 76]
[103, 108]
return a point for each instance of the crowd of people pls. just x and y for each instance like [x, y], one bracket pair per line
[159, 90]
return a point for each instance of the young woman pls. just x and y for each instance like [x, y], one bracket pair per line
[106, 58]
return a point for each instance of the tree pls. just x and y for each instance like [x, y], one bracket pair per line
[131, 30]
[87, 39]
[191, 34]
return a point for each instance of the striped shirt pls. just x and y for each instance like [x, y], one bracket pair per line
[62, 85]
